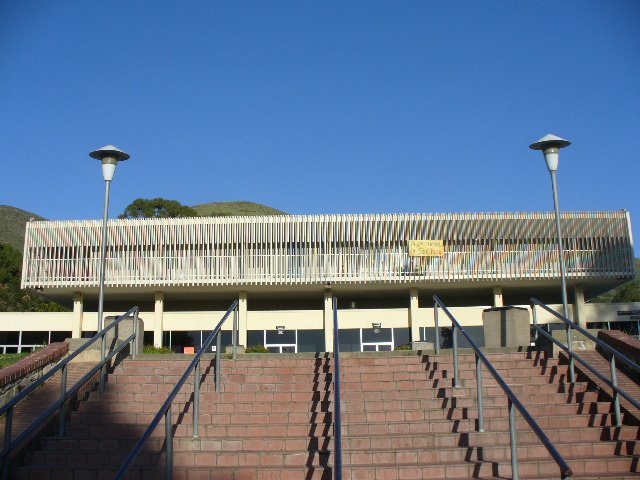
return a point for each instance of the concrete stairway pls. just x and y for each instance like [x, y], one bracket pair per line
[402, 419]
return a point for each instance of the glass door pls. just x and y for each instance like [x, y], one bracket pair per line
[376, 339]
[281, 341]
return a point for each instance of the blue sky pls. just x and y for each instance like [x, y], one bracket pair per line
[320, 107]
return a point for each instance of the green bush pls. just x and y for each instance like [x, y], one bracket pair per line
[256, 349]
[403, 347]
[156, 350]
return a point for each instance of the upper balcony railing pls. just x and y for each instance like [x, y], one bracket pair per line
[299, 250]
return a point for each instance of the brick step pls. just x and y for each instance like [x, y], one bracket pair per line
[185, 429]
[584, 468]
[115, 395]
[470, 425]
[209, 380]
[526, 375]
[435, 413]
[519, 390]
[190, 473]
[186, 416]
[95, 404]
[183, 443]
[182, 458]
[209, 387]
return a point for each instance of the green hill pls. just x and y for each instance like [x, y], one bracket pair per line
[12, 225]
[241, 209]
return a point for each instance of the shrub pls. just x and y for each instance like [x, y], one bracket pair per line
[151, 349]
[403, 347]
[256, 349]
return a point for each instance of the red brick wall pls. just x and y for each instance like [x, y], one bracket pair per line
[35, 361]
[629, 346]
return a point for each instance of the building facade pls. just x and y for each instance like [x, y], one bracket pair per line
[285, 271]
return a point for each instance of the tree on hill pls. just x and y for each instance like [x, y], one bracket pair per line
[157, 208]
[12, 297]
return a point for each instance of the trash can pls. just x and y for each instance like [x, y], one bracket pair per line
[506, 327]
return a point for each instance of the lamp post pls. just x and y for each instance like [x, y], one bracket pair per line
[109, 156]
[550, 146]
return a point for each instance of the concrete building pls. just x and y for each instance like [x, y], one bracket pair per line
[285, 270]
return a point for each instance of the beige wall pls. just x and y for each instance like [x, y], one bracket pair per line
[300, 319]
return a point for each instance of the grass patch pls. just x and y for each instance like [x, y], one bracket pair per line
[256, 349]
[11, 358]
[150, 349]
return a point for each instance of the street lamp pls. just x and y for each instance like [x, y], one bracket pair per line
[109, 156]
[550, 146]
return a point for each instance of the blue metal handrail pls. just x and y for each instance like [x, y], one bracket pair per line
[513, 401]
[165, 409]
[65, 394]
[614, 354]
[337, 425]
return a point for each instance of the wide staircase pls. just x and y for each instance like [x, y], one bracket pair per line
[401, 419]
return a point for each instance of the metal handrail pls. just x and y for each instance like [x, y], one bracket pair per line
[65, 394]
[565, 470]
[165, 409]
[337, 424]
[614, 354]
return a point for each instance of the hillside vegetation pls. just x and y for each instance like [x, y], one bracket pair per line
[12, 225]
[241, 209]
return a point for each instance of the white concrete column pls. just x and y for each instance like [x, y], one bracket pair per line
[159, 313]
[414, 309]
[578, 307]
[498, 300]
[242, 319]
[78, 310]
[328, 320]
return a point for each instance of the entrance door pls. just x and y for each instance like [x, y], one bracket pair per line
[281, 341]
[376, 339]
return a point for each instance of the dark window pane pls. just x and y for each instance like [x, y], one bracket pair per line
[148, 338]
[165, 339]
[349, 340]
[12, 349]
[370, 336]
[35, 338]
[288, 349]
[274, 349]
[282, 336]
[88, 333]
[60, 336]
[9, 338]
[368, 348]
[401, 336]
[384, 348]
[255, 337]
[311, 341]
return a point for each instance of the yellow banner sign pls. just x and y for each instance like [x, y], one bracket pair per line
[426, 248]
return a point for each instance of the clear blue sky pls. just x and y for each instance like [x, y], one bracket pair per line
[320, 107]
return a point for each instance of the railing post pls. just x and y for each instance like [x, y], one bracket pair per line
[534, 314]
[63, 394]
[479, 393]
[515, 475]
[136, 340]
[454, 333]
[234, 335]
[435, 319]
[168, 441]
[616, 396]
[572, 371]
[103, 370]
[196, 400]
[336, 393]
[8, 426]
[218, 358]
